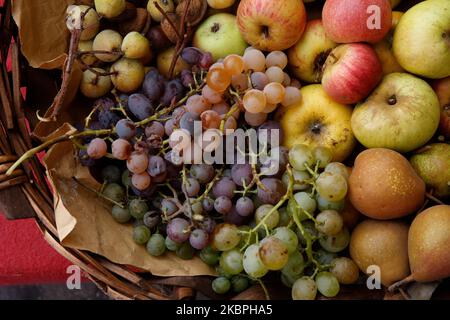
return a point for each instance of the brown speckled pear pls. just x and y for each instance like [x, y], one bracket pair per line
[383, 185]
[429, 244]
[381, 243]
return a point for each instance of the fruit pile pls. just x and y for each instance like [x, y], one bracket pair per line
[327, 111]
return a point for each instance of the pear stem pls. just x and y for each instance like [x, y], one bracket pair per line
[400, 283]
[431, 197]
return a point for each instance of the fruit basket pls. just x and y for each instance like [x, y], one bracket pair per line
[28, 88]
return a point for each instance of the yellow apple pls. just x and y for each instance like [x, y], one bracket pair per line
[384, 48]
[317, 120]
[164, 60]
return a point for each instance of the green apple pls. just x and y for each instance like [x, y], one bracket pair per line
[401, 114]
[422, 39]
[432, 164]
[219, 35]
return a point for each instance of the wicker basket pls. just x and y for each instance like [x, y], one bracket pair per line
[25, 194]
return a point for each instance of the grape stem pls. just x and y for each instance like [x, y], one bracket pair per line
[263, 287]
[233, 109]
[210, 186]
[119, 102]
[100, 194]
[183, 188]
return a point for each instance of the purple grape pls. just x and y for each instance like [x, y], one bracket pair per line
[168, 207]
[173, 89]
[272, 193]
[126, 129]
[266, 130]
[276, 163]
[178, 113]
[224, 187]
[206, 61]
[85, 160]
[223, 205]
[187, 79]
[174, 158]
[192, 187]
[199, 239]
[191, 55]
[242, 173]
[187, 122]
[245, 206]
[153, 86]
[234, 218]
[208, 204]
[156, 166]
[158, 38]
[140, 106]
[204, 173]
[160, 178]
[208, 224]
[154, 128]
[145, 194]
[169, 127]
[178, 230]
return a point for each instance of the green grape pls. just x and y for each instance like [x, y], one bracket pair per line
[331, 186]
[171, 245]
[225, 237]
[156, 246]
[252, 263]
[239, 283]
[300, 178]
[272, 221]
[141, 234]
[273, 253]
[338, 168]
[310, 229]
[121, 215]
[222, 273]
[209, 256]
[306, 202]
[231, 262]
[185, 251]
[304, 289]
[327, 284]
[330, 222]
[138, 208]
[300, 156]
[288, 237]
[324, 204]
[285, 218]
[345, 270]
[324, 257]
[126, 179]
[111, 174]
[288, 280]
[244, 236]
[221, 285]
[295, 266]
[114, 192]
[337, 242]
[323, 155]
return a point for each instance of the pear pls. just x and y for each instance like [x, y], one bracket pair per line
[383, 244]
[432, 164]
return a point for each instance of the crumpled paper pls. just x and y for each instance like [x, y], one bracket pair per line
[84, 220]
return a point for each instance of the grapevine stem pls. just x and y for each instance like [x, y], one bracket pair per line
[99, 193]
[266, 292]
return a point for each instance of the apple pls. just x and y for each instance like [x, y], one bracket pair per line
[317, 120]
[308, 55]
[347, 21]
[384, 48]
[271, 25]
[401, 114]
[442, 89]
[422, 39]
[164, 60]
[351, 72]
[219, 35]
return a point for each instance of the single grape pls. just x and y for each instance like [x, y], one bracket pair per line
[327, 284]
[231, 262]
[141, 234]
[156, 166]
[345, 270]
[239, 283]
[187, 122]
[255, 119]
[224, 187]
[223, 205]
[210, 120]
[121, 215]
[191, 55]
[259, 80]
[252, 263]
[141, 181]
[275, 74]
[305, 202]
[239, 82]
[301, 179]
[242, 174]
[324, 204]
[225, 237]
[254, 60]
[204, 173]
[338, 168]
[151, 219]
[254, 101]
[153, 86]
[292, 96]
[211, 96]
[178, 230]
[138, 208]
[173, 91]
[121, 149]
[185, 251]
[218, 79]
[187, 78]
[304, 288]
[156, 246]
[323, 155]
[168, 207]
[114, 192]
[171, 245]
[274, 93]
[137, 162]
[295, 266]
[273, 252]
[272, 192]
[111, 173]
[140, 106]
[206, 61]
[330, 222]
[337, 242]
[209, 256]
[234, 64]
[199, 239]
[197, 104]
[261, 213]
[276, 59]
[300, 156]
[208, 204]
[331, 186]
[222, 108]
[230, 125]
[245, 206]
[270, 108]
[288, 237]
[169, 127]
[221, 285]
[97, 148]
[125, 129]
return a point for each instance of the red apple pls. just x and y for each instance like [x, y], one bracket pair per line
[347, 21]
[271, 25]
[351, 72]
[442, 89]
